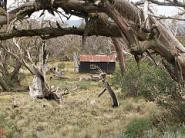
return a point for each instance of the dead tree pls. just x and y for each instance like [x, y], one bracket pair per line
[76, 62]
[109, 89]
[9, 79]
[39, 87]
[120, 55]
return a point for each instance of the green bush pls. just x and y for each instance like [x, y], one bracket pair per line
[148, 81]
[137, 127]
[178, 132]
[144, 128]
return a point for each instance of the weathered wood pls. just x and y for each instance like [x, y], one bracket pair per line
[76, 62]
[36, 90]
[109, 89]
[47, 32]
[129, 20]
[102, 92]
[120, 55]
[15, 72]
[122, 23]
[160, 39]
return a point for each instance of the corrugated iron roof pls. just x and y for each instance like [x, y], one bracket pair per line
[98, 58]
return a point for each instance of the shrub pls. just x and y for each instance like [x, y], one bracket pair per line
[137, 127]
[150, 81]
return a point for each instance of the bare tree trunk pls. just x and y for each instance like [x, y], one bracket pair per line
[15, 73]
[112, 94]
[161, 40]
[39, 87]
[76, 61]
[9, 80]
[123, 25]
[120, 55]
[129, 19]
[109, 89]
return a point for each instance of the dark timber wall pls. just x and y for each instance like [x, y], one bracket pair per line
[86, 67]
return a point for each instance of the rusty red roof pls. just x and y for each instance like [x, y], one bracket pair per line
[98, 58]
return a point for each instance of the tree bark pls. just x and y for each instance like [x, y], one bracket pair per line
[9, 80]
[109, 89]
[51, 32]
[39, 88]
[120, 55]
[129, 20]
[15, 73]
[112, 94]
[160, 39]
[76, 62]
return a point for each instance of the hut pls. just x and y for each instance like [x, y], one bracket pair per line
[107, 63]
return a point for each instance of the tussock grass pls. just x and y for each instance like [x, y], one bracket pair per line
[81, 114]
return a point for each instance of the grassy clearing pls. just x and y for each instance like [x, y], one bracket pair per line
[80, 115]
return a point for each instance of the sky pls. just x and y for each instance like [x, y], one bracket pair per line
[11, 3]
[166, 10]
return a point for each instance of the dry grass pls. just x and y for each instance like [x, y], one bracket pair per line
[80, 115]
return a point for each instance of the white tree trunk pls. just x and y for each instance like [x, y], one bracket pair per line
[39, 88]
[36, 90]
[76, 62]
